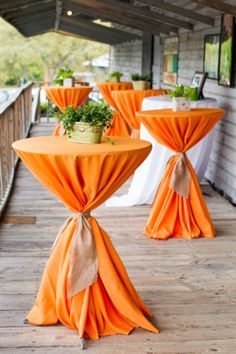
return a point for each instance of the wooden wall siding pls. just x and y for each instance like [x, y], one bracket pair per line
[221, 169]
[15, 122]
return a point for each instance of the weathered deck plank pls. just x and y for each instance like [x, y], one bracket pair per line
[190, 286]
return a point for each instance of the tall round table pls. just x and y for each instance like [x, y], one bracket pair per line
[129, 102]
[148, 176]
[179, 209]
[119, 125]
[85, 285]
[63, 97]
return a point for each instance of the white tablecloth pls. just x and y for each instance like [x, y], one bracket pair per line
[148, 176]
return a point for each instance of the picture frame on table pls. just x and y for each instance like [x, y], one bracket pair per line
[198, 80]
[226, 53]
[211, 55]
[170, 61]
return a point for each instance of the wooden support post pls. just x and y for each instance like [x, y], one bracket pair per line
[147, 53]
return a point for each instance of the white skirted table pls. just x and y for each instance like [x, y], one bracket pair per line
[148, 176]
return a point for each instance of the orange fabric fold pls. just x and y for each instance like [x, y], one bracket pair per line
[128, 102]
[119, 125]
[66, 96]
[82, 177]
[173, 215]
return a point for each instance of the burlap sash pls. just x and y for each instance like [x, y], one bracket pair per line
[83, 256]
[180, 177]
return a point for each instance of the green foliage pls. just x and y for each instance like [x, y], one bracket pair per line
[39, 57]
[183, 91]
[63, 73]
[138, 77]
[97, 114]
[54, 111]
[191, 93]
[117, 75]
[178, 91]
[43, 107]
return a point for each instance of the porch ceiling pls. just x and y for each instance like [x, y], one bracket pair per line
[135, 17]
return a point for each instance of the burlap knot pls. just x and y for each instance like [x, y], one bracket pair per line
[83, 256]
[180, 177]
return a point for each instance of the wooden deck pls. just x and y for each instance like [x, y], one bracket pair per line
[190, 286]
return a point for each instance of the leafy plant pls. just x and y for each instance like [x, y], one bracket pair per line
[97, 114]
[138, 77]
[117, 75]
[54, 111]
[179, 91]
[63, 73]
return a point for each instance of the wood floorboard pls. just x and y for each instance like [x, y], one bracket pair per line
[190, 286]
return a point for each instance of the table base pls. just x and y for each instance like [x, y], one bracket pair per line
[110, 306]
[175, 216]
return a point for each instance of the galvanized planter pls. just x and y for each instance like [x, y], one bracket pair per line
[141, 85]
[85, 133]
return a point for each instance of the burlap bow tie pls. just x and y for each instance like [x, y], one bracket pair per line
[83, 268]
[180, 177]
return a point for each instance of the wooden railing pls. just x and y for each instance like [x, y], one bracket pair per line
[15, 122]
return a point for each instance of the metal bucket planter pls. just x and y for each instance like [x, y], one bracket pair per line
[181, 104]
[85, 133]
[140, 85]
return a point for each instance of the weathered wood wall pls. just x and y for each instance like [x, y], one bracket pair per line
[222, 165]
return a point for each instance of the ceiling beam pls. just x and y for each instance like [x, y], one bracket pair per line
[128, 11]
[116, 18]
[59, 7]
[8, 6]
[77, 31]
[189, 14]
[29, 11]
[110, 34]
[167, 19]
[25, 20]
[43, 24]
[218, 5]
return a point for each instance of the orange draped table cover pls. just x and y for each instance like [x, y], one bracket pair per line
[63, 97]
[179, 209]
[128, 102]
[87, 291]
[119, 125]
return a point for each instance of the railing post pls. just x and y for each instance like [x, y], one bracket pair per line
[15, 122]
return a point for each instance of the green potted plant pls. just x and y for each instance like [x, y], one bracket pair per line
[192, 92]
[86, 124]
[180, 97]
[64, 77]
[115, 76]
[141, 82]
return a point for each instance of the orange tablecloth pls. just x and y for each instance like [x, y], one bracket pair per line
[119, 125]
[67, 96]
[179, 209]
[83, 176]
[128, 102]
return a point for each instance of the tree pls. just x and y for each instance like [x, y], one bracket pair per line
[39, 57]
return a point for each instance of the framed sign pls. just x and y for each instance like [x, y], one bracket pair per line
[211, 55]
[198, 81]
[226, 50]
[170, 61]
